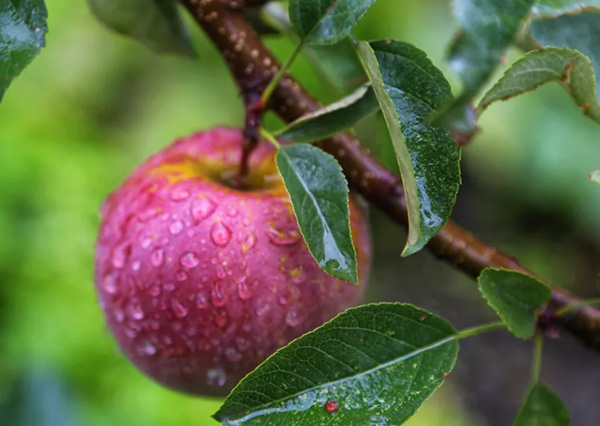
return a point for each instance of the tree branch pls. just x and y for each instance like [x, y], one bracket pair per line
[253, 66]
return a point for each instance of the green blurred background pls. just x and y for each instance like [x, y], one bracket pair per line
[95, 104]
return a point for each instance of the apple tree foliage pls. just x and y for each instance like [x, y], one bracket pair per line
[377, 364]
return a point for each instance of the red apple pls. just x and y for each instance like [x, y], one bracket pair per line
[201, 281]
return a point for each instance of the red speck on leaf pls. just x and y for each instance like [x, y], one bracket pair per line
[586, 107]
[331, 407]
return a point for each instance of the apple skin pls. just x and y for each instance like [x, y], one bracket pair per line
[200, 282]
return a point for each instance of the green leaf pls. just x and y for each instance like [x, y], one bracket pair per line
[595, 176]
[560, 7]
[515, 297]
[410, 89]
[22, 35]
[326, 21]
[578, 32]
[487, 30]
[568, 67]
[378, 363]
[319, 194]
[155, 23]
[543, 408]
[332, 119]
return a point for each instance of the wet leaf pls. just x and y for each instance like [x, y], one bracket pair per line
[326, 21]
[319, 194]
[543, 408]
[570, 68]
[487, 30]
[155, 23]
[515, 297]
[22, 35]
[375, 364]
[559, 7]
[410, 89]
[578, 32]
[332, 119]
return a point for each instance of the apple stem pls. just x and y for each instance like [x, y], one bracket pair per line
[254, 113]
[254, 66]
[255, 109]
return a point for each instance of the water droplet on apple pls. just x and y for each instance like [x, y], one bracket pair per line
[201, 302]
[243, 344]
[154, 291]
[244, 290]
[148, 214]
[202, 208]
[249, 243]
[221, 272]
[216, 377]
[189, 260]
[262, 309]
[221, 319]
[181, 276]
[283, 301]
[120, 255]
[283, 238]
[217, 296]
[134, 310]
[169, 286]
[220, 234]
[119, 315]
[157, 257]
[146, 242]
[148, 349]
[293, 318]
[109, 284]
[232, 212]
[179, 309]
[204, 346]
[233, 355]
[297, 275]
[176, 227]
[179, 194]
[135, 266]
